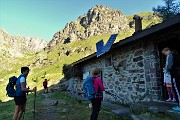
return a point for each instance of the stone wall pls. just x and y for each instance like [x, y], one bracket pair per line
[152, 71]
[134, 74]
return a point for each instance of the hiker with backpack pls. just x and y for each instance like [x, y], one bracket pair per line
[45, 85]
[175, 73]
[21, 90]
[93, 88]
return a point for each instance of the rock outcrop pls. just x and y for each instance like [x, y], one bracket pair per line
[15, 46]
[99, 20]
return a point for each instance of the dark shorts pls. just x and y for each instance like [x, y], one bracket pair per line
[20, 100]
[45, 86]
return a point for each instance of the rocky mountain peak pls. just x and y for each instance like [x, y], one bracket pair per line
[98, 20]
[100, 14]
[3, 32]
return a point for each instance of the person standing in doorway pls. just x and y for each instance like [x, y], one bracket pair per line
[175, 73]
[167, 76]
[21, 90]
[99, 88]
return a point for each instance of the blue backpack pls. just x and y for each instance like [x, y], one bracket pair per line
[11, 92]
[88, 88]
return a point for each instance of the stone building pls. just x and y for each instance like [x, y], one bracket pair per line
[132, 69]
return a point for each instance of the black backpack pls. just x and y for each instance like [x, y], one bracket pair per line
[11, 92]
[175, 71]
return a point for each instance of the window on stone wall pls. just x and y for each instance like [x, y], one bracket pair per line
[108, 62]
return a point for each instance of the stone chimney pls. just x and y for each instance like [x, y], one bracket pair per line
[138, 23]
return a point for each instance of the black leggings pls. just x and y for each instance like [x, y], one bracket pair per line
[96, 106]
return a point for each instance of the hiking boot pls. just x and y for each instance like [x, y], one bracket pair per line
[173, 100]
[176, 108]
[168, 100]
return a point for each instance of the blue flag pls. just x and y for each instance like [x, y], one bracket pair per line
[101, 49]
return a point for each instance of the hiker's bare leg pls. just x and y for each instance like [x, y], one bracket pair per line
[22, 109]
[17, 109]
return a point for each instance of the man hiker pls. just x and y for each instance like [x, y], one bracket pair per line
[21, 90]
[45, 83]
[175, 72]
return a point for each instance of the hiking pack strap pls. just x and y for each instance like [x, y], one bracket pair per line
[93, 80]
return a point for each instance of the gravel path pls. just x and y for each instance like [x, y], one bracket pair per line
[48, 110]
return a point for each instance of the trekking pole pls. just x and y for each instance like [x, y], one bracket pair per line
[34, 102]
[23, 115]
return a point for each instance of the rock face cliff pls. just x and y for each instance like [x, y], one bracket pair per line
[15, 46]
[99, 20]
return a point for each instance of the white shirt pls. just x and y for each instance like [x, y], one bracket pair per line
[22, 79]
[167, 77]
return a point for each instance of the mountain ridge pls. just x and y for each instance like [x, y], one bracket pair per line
[99, 20]
[20, 43]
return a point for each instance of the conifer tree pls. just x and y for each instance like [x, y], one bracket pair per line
[168, 10]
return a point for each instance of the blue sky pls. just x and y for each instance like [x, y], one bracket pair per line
[43, 18]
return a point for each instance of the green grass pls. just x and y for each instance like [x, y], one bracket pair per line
[71, 109]
[7, 108]
[153, 115]
[80, 111]
[74, 110]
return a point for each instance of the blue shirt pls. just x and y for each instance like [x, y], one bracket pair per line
[19, 92]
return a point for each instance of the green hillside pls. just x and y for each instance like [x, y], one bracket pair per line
[51, 66]
[48, 63]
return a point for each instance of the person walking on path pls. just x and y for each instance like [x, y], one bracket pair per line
[99, 88]
[21, 90]
[45, 85]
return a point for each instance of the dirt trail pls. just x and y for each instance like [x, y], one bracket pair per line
[47, 108]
